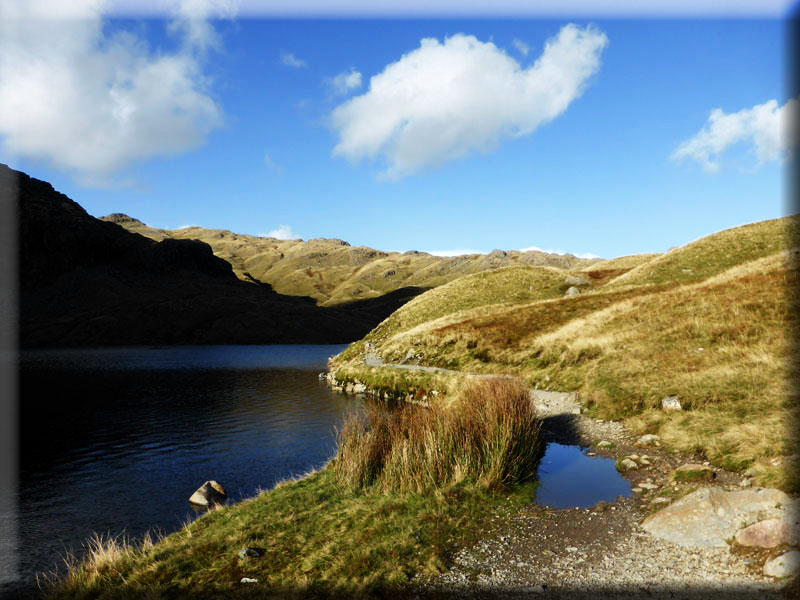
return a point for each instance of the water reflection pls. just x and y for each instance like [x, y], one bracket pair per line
[568, 478]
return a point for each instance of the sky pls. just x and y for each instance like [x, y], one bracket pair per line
[435, 126]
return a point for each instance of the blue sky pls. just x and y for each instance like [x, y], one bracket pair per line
[589, 134]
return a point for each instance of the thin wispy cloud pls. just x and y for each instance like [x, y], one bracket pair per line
[346, 81]
[290, 60]
[448, 99]
[272, 165]
[523, 48]
[91, 102]
[765, 129]
[283, 232]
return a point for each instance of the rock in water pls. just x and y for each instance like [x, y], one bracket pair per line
[709, 516]
[208, 494]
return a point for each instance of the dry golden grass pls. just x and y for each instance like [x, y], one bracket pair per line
[488, 436]
[622, 262]
[715, 253]
[720, 338]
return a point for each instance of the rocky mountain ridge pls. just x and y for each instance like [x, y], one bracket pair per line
[83, 281]
[333, 272]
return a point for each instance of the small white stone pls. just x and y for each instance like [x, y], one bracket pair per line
[784, 565]
[248, 580]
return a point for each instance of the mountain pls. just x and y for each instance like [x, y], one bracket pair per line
[333, 272]
[83, 281]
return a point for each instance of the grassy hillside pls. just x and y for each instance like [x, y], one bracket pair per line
[710, 322]
[714, 253]
[333, 272]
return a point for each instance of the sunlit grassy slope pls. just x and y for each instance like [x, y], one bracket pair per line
[710, 322]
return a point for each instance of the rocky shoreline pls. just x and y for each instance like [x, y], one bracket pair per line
[605, 552]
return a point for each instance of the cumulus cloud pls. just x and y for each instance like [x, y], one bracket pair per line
[283, 232]
[346, 81]
[523, 48]
[290, 60]
[766, 128]
[447, 99]
[91, 102]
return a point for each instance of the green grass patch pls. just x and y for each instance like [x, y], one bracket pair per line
[316, 536]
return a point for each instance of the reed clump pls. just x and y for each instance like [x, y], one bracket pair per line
[489, 435]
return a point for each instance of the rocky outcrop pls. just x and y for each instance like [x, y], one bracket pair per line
[711, 516]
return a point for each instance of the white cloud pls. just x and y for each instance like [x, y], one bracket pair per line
[290, 60]
[523, 48]
[271, 164]
[457, 252]
[92, 103]
[186, 227]
[346, 81]
[766, 128]
[283, 232]
[445, 100]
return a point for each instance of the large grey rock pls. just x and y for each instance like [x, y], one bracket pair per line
[671, 403]
[784, 565]
[572, 291]
[208, 494]
[709, 516]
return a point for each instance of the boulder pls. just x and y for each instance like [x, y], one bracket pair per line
[671, 403]
[768, 533]
[648, 439]
[627, 464]
[693, 472]
[208, 494]
[784, 565]
[710, 516]
[572, 291]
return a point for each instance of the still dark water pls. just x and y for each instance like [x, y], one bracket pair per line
[570, 479]
[117, 439]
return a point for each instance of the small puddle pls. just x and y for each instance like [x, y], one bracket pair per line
[570, 479]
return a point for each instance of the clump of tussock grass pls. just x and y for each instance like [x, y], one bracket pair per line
[489, 435]
[104, 558]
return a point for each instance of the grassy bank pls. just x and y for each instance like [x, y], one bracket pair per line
[406, 489]
[712, 322]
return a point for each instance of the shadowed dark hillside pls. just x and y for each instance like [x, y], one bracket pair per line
[88, 282]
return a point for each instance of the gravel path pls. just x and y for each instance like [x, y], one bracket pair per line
[599, 552]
